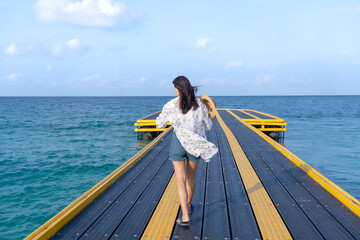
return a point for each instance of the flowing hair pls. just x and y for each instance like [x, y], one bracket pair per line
[186, 94]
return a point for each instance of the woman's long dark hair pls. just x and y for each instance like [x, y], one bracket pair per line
[186, 94]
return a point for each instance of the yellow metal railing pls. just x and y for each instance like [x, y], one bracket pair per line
[265, 125]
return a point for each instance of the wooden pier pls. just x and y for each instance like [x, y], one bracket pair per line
[253, 188]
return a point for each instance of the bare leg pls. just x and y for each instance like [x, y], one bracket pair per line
[180, 172]
[190, 179]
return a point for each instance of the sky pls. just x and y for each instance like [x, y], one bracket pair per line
[136, 48]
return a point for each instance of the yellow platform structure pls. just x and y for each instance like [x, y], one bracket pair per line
[262, 121]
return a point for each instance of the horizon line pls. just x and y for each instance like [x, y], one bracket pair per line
[300, 95]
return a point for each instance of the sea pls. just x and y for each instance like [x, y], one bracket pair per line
[54, 149]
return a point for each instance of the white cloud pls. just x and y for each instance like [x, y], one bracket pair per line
[61, 49]
[49, 68]
[57, 49]
[12, 49]
[97, 79]
[213, 81]
[165, 83]
[202, 42]
[101, 83]
[100, 13]
[92, 78]
[15, 76]
[73, 43]
[263, 64]
[234, 64]
[222, 82]
[264, 79]
[301, 81]
[143, 79]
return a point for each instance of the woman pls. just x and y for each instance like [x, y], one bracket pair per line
[189, 117]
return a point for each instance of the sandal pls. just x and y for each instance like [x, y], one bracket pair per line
[180, 222]
[191, 208]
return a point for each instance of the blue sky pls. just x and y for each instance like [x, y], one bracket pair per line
[136, 48]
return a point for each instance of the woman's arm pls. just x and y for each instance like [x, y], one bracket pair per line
[163, 117]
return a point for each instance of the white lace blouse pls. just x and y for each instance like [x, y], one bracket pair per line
[189, 128]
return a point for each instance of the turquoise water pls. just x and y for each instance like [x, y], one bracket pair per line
[53, 149]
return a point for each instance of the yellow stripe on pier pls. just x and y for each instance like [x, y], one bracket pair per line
[162, 221]
[248, 114]
[331, 187]
[268, 218]
[262, 113]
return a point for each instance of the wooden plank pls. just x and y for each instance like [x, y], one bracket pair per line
[241, 216]
[348, 200]
[216, 220]
[269, 220]
[298, 223]
[249, 114]
[162, 221]
[319, 196]
[244, 115]
[106, 224]
[259, 114]
[79, 224]
[138, 217]
[324, 199]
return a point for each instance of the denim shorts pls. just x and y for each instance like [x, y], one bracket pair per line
[178, 152]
